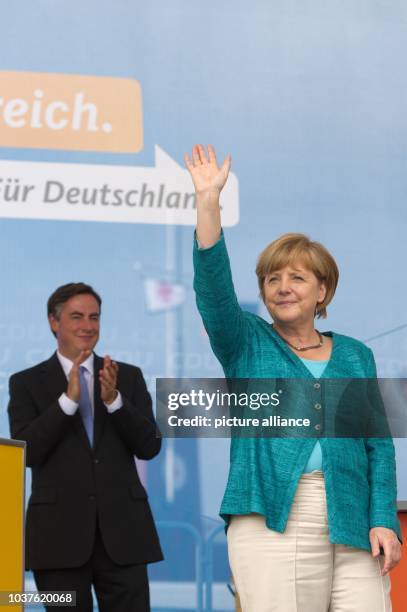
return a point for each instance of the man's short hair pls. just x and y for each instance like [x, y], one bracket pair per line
[65, 293]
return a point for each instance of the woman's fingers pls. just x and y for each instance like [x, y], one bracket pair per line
[388, 558]
[201, 157]
[391, 557]
[374, 543]
[211, 154]
[188, 162]
[202, 154]
[225, 168]
[196, 155]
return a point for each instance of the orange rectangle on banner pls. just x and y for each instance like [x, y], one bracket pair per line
[71, 112]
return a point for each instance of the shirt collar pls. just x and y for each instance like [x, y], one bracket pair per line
[67, 364]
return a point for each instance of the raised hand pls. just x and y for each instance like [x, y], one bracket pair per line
[209, 180]
[207, 176]
[108, 380]
[74, 387]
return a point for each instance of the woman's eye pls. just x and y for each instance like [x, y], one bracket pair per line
[298, 278]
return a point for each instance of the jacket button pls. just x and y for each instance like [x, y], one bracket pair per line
[317, 386]
[92, 497]
[96, 461]
[317, 406]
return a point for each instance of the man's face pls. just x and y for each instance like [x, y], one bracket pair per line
[77, 327]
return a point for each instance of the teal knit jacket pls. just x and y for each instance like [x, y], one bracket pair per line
[360, 474]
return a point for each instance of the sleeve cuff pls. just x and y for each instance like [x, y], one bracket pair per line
[198, 245]
[116, 404]
[67, 405]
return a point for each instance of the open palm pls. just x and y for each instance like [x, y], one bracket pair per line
[206, 174]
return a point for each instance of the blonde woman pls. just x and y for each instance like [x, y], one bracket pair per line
[307, 519]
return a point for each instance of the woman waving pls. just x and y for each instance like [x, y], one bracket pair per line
[306, 518]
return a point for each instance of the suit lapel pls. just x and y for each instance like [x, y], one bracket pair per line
[100, 409]
[54, 379]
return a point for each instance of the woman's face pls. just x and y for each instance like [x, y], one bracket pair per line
[292, 293]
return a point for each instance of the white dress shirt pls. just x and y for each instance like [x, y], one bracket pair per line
[67, 404]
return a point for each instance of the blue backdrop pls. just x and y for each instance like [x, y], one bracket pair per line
[309, 98]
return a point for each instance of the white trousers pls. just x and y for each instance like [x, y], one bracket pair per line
[300, 570]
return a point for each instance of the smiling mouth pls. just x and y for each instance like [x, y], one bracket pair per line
[285, 303]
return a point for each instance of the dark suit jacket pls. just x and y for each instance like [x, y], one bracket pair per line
[73, 484]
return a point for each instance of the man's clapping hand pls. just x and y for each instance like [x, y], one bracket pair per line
[108, 380]
[74, 385]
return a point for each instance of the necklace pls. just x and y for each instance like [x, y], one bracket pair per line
[303, 348]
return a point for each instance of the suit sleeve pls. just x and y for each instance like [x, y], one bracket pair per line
[216, 300]
[134, 421]
[382, 476]
[40, 430]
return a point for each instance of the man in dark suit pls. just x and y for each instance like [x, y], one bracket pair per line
[84, 419]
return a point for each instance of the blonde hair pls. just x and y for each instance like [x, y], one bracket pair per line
[293, 248]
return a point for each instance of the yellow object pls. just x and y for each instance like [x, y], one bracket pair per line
[12, 483]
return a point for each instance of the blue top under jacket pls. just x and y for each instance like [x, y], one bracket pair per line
[315, 459]
[360, 474]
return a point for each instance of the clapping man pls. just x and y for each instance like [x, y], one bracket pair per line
[84, 418]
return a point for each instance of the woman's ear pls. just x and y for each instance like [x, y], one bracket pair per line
[321, 293]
